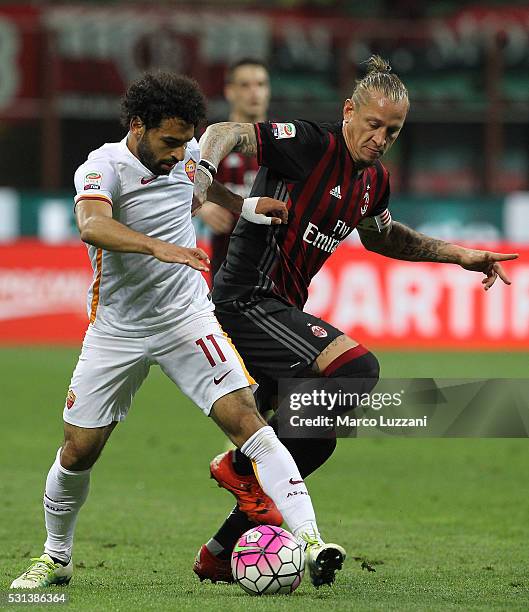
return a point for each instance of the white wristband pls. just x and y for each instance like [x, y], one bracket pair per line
[248, 212]
[376, 223]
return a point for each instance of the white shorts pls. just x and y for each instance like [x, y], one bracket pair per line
[196, 355]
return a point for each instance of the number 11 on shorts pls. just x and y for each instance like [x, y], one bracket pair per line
[201, 342]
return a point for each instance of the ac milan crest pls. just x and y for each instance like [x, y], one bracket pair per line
[318, 331]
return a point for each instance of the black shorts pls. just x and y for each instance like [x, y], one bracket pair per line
[274, 339]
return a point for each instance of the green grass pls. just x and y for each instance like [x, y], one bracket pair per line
[443, 522]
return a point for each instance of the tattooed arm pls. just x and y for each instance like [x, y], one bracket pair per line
[401, 242]
[217, 141]
[221, 138]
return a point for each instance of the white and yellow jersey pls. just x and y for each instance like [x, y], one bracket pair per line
[134, 294]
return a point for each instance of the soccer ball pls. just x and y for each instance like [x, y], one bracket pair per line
[268, 560]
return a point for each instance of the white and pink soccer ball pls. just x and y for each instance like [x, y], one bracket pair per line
[268, 560]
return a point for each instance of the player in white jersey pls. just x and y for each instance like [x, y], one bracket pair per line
[121, 299]
[148, 304]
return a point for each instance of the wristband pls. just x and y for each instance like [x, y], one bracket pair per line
[248, 212]
[376, 223]
[211, 168]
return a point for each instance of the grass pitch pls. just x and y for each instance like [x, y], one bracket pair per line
[428, 524]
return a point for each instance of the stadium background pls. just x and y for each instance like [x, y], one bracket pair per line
[439, 520]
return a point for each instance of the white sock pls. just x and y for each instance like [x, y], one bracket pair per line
[65, 493]
[280, 479]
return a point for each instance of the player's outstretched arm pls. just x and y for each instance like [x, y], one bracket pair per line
[262, 210]
[97, 227]
[401, 242]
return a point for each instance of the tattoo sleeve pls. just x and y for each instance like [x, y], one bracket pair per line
[402, 242]
[221, 138]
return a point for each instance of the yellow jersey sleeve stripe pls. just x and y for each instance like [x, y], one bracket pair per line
[97, 285]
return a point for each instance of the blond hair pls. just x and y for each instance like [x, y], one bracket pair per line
[379, 78]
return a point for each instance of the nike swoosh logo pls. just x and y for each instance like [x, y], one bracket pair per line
[217, 381]
[294, 482]
[245, 548]
[146, 181]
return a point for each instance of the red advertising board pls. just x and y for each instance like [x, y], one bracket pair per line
[394, 304]
[378, 301]
[43, 293]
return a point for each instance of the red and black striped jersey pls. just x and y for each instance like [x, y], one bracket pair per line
[308, 166]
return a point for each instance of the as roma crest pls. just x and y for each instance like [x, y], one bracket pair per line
[70, 399]
[190, 168]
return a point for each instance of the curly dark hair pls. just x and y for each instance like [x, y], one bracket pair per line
[163, 95]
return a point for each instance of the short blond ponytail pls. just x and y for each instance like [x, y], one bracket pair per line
[379, 78]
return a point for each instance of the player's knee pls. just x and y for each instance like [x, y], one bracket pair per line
[77, 457]
[81, 447]
[357, 362]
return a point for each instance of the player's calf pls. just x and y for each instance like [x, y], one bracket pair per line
[66, 490]
[274, 466]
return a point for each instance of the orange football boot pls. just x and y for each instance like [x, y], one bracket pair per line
[209, 567]
[251, 499]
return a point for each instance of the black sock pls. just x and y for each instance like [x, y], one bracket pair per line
[241, 464]
[310, 453]
[232, 529]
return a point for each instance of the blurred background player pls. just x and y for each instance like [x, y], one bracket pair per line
[247, 91]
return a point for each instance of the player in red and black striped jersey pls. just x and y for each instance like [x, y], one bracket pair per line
[332, 180]
[308, 165]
